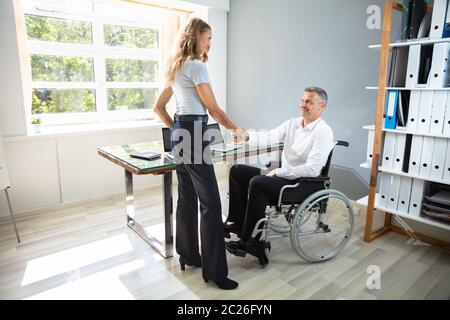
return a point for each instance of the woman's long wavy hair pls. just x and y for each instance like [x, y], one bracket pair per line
[186, 47]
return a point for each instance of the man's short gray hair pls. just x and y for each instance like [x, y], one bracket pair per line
[320, 92]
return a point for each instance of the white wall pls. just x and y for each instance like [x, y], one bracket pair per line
[277, 48]
[51, 170]
[15, 74]
[217, 65]
[46, 171]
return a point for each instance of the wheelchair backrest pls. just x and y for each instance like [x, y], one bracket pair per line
[326, 168]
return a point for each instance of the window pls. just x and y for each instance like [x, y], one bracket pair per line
[89, 64]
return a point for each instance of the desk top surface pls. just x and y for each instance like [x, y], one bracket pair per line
[120, 155]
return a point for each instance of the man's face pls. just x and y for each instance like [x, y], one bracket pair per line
[311, 106]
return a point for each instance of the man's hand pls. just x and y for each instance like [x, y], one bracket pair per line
[272, 173]
[240, 135]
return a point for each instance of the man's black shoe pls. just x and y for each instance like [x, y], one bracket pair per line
[237, 248]
[258, 249]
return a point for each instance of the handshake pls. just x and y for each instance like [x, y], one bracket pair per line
[239, 135]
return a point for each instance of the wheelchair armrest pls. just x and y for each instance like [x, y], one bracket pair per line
[299, 182]
[314, 179]
[343, 143]
[272, 164]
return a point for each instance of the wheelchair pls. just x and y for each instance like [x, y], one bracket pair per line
[319, 221]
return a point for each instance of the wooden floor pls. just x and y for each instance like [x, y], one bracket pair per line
[86, 251]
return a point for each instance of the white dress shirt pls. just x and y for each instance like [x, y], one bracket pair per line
[306, 149]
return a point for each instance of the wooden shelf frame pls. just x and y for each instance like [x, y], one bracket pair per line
[369, 233]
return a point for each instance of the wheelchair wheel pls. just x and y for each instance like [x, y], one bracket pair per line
[322, 225]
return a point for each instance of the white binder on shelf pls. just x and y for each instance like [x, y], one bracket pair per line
[440, 67]
[446, 130]
[383, 191]
[404, 194]
[447, 163]
[394, 190]
[413, 113]
[370, 147]
[438, 112]
[438, 19]
[415, 155]
[415, 204]
[388, 150]
[399, 152]
[412, 71]
[438, 162]
[424, 118]
[427, 157]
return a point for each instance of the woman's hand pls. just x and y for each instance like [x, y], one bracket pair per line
[160, 106]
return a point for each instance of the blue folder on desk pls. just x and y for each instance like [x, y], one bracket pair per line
[390, 120]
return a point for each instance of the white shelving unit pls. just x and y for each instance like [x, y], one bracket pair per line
[426, 220]
[403, 174]
[371, 201]
[372, 128]
[411, 89]
[406, 43]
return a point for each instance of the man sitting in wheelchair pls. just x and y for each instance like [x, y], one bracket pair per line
[308, 141]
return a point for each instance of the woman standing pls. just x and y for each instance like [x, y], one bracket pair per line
[188, 80]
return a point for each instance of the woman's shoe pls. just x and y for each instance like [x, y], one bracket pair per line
[183, 264]
[226, 284]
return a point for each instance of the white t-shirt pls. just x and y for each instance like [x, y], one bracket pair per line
[193, 73]
[306, 149]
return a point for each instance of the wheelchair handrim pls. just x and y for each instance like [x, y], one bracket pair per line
[305, 207]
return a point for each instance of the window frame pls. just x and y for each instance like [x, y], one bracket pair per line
[99, 52]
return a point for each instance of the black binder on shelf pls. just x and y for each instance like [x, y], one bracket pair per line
[398, 67]
[426, 57]
[425, 26]
[416, 11]
[403, 108]
[407, 154]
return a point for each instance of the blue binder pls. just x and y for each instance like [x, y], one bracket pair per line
[390, 120]
[446, 31]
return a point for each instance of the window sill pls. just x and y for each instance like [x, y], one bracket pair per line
[56, 131]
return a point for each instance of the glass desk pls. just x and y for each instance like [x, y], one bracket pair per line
[120, 155]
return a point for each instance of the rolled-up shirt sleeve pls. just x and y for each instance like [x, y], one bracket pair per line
[317, 158]
[267, 138]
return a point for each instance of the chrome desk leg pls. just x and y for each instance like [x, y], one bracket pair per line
[165, 246]
[12, 215]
